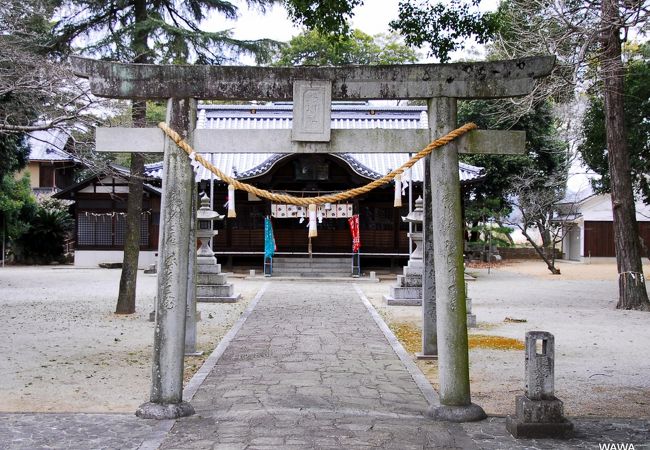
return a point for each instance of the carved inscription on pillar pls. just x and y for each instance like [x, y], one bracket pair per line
[311, 111]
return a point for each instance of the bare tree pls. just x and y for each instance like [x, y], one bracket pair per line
[539, 203]
[38, 91]
[32, 84]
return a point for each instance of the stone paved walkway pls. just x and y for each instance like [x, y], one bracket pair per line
[309, 368]
[82, 431]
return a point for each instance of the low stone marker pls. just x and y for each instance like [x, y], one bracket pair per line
[539, 414]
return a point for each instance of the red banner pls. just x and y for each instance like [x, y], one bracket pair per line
[354, 229]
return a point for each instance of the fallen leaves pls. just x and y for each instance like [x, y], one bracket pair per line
[485, 341]
[411, 338]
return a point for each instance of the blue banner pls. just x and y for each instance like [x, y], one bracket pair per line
[269, 240]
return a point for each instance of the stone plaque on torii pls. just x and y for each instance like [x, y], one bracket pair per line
[440, 84]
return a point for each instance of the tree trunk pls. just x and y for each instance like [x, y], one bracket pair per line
[507, 235]
[541, 251]
[631, 282]
[474, 234]
[128, 279]
[547, 240]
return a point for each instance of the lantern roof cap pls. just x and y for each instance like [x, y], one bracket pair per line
[417, 215]
[205, 212]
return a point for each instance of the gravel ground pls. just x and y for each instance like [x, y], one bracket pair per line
[65, 351]
[602, 362]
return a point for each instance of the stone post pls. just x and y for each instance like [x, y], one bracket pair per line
[471, 318]
[429, 330]
[538, 413]
[447, 242]
[191, 315]
[166, 399]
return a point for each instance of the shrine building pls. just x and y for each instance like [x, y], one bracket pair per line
[101, 200]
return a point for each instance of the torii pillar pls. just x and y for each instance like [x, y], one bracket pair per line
[451, 315]
[176, 277]
[441, 84]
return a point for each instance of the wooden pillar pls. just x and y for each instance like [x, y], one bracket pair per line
[396, 224]
[166, 399]
[447, 242]
[429, 331]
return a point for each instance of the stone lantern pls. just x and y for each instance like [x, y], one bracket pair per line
[416, 217]
[204, 232]
[211, 284]
[408, 289]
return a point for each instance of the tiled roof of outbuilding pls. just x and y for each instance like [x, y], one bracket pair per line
[48, 145]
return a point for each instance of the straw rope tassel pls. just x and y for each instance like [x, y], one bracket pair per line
[231, 201]
[398, 191]
[313, 223]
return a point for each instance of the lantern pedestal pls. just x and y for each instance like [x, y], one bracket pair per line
[211, 285]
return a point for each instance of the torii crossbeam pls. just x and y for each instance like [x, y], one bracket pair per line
[311, 89]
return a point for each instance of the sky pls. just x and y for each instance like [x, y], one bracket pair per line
[372, 18]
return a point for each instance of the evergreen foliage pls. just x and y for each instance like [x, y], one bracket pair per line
[329, 17]
[444, 27]
[318, 49]
[13, 153]
[545, 155]
[164, 32]
[17, 205]
[637, 123]
[43, 242]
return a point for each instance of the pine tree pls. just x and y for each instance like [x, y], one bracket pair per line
[139, 31]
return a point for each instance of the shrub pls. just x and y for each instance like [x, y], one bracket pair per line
[44, 241]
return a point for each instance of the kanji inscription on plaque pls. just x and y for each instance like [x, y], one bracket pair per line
[311, 111]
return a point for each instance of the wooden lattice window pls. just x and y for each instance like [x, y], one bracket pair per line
[107, 230]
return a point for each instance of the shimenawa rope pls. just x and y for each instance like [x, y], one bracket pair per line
[306, 201]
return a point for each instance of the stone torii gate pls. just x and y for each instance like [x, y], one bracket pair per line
[312, 89]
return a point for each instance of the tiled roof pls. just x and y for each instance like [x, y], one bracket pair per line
[279, 116]
[48, 145]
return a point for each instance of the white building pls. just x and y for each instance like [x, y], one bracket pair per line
[590, 237]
